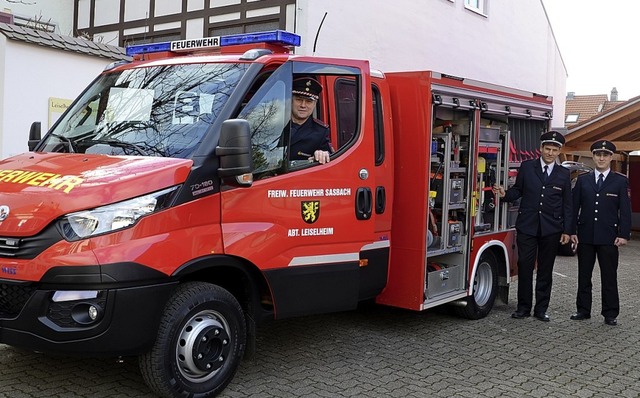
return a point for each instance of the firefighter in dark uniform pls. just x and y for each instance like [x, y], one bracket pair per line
[602, 208]
[309, 137]
[544, 222]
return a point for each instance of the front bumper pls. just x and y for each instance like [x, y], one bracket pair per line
[128, 316]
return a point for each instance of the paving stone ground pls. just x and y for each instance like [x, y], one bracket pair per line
[378, 351]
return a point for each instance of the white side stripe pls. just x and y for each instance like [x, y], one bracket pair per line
[336, 258]
[324, 259]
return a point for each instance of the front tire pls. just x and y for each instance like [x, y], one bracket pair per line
[200, 342]
[485, 288]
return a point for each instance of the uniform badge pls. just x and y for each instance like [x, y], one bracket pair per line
[310, 211]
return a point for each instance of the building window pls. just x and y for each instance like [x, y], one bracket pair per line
[145, 38]
[572, 118]
[222, 18]
[237, 28]
[478, 6]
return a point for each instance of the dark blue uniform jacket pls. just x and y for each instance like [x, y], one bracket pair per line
[308, 138]
[605, 214]
[545, 208]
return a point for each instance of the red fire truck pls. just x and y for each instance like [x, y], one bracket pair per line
[162, 217]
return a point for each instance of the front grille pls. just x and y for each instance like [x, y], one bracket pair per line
[9, 246]
[13, 297]
[28, 247]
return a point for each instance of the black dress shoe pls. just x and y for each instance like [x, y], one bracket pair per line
[579, 316]
[542, 317]
[520, 315]
[611, 321]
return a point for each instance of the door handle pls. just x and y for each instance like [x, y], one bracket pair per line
[363, 203]
[381, 200]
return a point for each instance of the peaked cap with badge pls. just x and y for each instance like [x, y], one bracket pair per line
[552, 137]
[307, 87]
[603, 146]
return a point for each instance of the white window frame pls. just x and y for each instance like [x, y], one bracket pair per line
[478, 6]
[572, 118]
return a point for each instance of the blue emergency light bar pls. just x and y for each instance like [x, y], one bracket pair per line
[276, 37]
[148, 48]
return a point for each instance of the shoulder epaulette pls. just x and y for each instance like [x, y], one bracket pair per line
[619, 173]
[320, 122]
[590, 174]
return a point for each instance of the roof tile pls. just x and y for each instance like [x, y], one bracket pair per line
[90, 44]
[18, 29]
[81, 43]
[43, 34]
[65, 43]
[585, 106]
[11, 35]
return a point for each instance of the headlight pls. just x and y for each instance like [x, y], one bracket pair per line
[109, 218]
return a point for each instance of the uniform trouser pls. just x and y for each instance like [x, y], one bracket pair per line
[608, 262]
[530, 248]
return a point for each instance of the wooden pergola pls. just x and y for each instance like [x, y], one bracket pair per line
[620, 125]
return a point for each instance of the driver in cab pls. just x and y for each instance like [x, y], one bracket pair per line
[309, 137]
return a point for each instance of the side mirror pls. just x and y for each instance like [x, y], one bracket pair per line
[35, 135]
[234, 151]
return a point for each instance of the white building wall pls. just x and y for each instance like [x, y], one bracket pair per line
[193, 5]
[84, 13]
[26, 87]
[106, 12]
[110, 38]
[512, 45]
[135, 9]
[3, 90]
[557, 75]
[194, 28]
[58, 12]
[168, 7]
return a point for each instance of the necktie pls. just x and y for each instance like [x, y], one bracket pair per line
[544, 173]
[600, 180]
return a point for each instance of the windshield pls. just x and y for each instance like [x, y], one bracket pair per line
[153, 111]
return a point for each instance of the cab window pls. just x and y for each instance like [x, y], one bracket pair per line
[333, 113]
[346, 91]
[267, 112]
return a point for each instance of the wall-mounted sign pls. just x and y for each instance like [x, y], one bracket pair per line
[56, 107]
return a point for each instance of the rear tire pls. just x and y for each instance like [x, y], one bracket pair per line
[485, 287]
[200, 342]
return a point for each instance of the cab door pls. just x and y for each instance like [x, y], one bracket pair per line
[308, 227]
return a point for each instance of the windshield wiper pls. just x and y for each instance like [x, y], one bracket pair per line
[67, 140]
